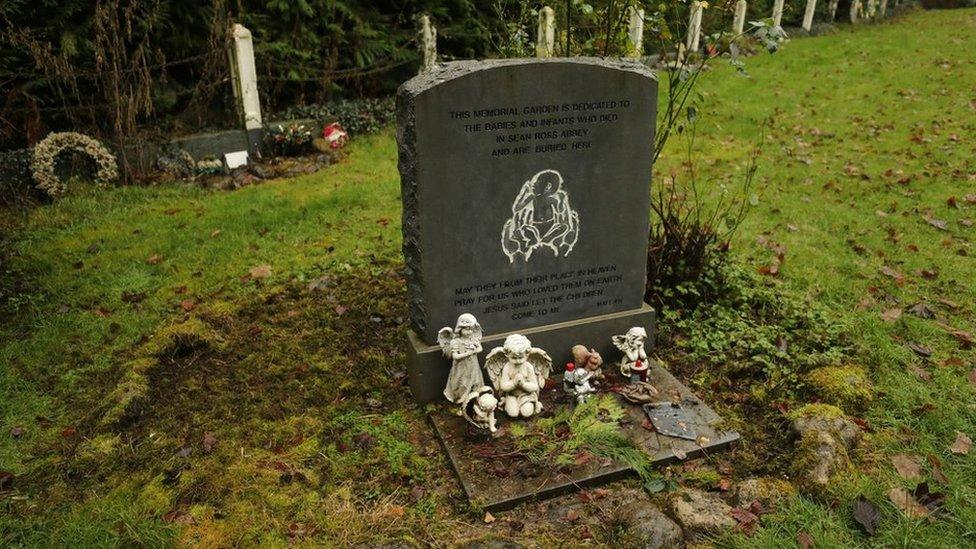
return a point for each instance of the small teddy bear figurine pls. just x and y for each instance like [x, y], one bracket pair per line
[479, 408]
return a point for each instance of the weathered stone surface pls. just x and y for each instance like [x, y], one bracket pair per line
[525, 187]
[701, 514]
[825, 435]
[650, 527]
[490, 543]
[769, 492]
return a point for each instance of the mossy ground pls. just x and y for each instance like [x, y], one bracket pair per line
[268, 405]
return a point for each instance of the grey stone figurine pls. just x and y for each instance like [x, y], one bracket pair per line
[518, 371]
[462, 345]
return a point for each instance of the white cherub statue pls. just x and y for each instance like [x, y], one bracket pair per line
[633, 365]
[518, 371]
[479, 408]
[462, 345]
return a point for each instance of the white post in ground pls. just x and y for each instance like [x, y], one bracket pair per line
[855, 10]
[244, 77]
[545, 38]
[428, 43]
[777, 13]
[808, 15]
[739, 21]
[832, 10]
[694, 27]
[635, 33]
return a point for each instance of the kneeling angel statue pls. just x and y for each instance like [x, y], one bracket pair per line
[518, 371]
[462, 345]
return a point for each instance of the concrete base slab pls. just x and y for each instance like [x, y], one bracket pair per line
[496, 477]
[427, 368]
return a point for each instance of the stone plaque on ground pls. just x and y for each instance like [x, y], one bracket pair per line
[526, 196]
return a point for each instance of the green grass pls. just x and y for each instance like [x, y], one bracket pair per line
[862, 122]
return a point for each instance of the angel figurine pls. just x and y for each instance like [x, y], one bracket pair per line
[633, 365]
[479, 408]
[462, 345]
[518, 371]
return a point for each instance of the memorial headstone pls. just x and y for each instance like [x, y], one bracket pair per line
[526, 202]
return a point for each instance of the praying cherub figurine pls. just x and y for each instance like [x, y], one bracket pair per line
[479, 408]
[633, 365]
[518, 371]
[462, 345]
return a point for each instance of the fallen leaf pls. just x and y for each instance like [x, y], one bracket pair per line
[489, 518]
[154, 259]
[17, 431]
[678, 452]
[133, 297]
[937, 473]
[867, 515]
[6, 480]
[962, 444]
[921, 310]
[340, 309]
[214, 233]
[952, 203]
[724, 484]
[972, 378]
[891, 315]
[804, 540]
[188, 305]
[937, 223]
[259, 272]
[897, 276]
[572, 515]
[209, 442]
[747, 520]
[932, 501]
[920, 350]
[906, 503]
[921, 373]
[907, 466]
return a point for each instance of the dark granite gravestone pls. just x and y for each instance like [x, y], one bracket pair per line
[526, 198]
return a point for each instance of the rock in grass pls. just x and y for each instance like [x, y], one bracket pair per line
[701, 514]
[651, 528]
[769, 492]
[844, 386]
[825, 436]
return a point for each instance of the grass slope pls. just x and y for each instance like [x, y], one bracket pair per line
[870, 137]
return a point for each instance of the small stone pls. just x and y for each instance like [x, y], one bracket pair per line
[650, 527]
[769, 492]
[826, 434]
[823, 417]
[701, 514]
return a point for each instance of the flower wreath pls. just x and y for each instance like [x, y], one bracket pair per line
[50, 148]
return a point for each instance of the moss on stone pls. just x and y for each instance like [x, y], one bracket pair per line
[826, 411]
[818, 459]
[130, 394]
[704, 478]
[182, 338]
[845, 386]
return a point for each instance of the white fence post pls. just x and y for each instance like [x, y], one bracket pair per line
[545, 40]
[739, 22]
[244, 77]
[832, 10]
[808, 15]
[777, 13]
[694, 27]
[428, 43]
[635, 32]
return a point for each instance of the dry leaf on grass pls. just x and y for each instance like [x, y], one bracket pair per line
[906, 503]
[489, 518]
[867, 515]
[962, 444]
[907, 466]
[891, 315]
[261, 271]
